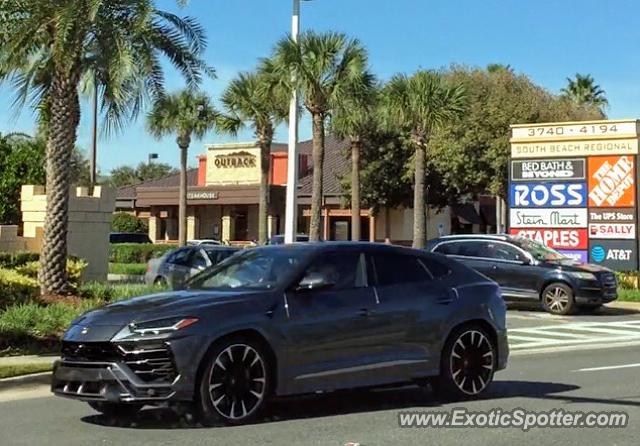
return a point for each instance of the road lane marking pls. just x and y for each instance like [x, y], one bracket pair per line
[609, 367]
[571, 348]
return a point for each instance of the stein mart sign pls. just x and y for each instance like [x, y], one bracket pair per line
[572, 186]
[548, 218]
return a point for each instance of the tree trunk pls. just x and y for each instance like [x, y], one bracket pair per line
[263, 203]
[318, 161]
[419, 211]
[182, 209]
[61, 137]
[355, 189]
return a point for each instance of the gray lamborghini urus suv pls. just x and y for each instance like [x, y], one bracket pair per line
[287, 320]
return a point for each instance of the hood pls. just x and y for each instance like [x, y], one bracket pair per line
[103, 323]
[572, 265]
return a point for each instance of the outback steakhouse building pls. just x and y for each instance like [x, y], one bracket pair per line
[222, 200]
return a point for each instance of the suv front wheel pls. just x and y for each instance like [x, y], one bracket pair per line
[557, 298]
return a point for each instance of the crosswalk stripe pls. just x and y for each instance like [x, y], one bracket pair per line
[573, 334]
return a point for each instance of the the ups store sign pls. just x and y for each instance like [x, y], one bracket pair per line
[578, 168]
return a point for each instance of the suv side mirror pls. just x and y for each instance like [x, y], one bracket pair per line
[314, 281]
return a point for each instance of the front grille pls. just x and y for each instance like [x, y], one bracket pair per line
[151, 362]
[608, 280]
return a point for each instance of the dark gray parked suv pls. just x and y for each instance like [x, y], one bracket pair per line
[526, 269]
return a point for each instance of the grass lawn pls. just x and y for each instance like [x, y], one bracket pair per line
[8, 371]
[628, 295]
[131, 269]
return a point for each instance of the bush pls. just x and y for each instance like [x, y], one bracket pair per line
[113, 293]
[39, 321]
[123, 222]
[75, 268]
[628, 280]
[17, 288]
[136, 252]
[10, 260]
[132, 269]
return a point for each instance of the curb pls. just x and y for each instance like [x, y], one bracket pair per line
[624, 305]
[125, 278]
[33, 379]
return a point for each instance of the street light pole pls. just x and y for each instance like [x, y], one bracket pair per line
[291, 206]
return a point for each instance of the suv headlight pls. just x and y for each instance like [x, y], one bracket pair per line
[583, 275]
[156, 327]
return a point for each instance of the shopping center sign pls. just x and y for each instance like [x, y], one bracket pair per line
[572, 187]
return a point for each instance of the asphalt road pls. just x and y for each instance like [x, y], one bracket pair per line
[546, 372]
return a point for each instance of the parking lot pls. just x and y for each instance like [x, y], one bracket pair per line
[578, 363]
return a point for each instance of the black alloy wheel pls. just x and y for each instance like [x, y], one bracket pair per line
[235, 384]
[468, 363]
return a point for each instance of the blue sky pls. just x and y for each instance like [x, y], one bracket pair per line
[547, 40]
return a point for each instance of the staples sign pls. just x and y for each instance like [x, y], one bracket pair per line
[611, 181]
[556, 238]
[548, 194]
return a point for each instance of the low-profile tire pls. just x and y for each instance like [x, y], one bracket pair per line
[557, 298]
[115, 410]
[467, 364]
[235, 383]
[160, 281]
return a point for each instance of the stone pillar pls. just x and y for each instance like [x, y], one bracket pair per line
[227, 224]
[192, 223]
[372, 227]
[325, 226]
[154, 226]
[270, 225]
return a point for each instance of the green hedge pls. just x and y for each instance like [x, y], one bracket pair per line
[111, 293]
[75, 268]
[136, 252]
[130, 269]
[9, 260]
[16, 288]
[123, 222]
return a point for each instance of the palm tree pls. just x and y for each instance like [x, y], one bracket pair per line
[584, 91]
[419, 105]
[47, 48]
[354, 118]
[187, 114]
[321, 66]
[257, 98]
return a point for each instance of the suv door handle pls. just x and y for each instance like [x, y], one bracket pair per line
[364, 312]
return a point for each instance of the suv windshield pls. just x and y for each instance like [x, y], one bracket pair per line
[257, 269]
[538, 250]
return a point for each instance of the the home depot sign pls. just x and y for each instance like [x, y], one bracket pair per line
[584, 204]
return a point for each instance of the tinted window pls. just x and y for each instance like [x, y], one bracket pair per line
[344, 270]
[180, 257]
[218, 255]
[397, 268]
[468, 248]
[436, 267]
[198, 261]
[502, 251]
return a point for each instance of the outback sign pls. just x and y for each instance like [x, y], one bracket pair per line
[545, 170]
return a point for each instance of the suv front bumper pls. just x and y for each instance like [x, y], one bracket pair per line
[106, 381]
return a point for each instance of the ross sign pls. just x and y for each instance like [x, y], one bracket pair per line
[202, 195]
[571, 239]
[574, 148]
[578, 256]
[612, 230]
[620, 255]
[544, 170]
[548, 194]
[617, 215]
[611, 181]
[577, 130]
[548, 218]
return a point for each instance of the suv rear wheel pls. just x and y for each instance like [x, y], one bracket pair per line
[557, 298]
[468, 363]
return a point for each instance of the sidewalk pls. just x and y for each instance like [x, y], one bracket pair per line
[29, 359]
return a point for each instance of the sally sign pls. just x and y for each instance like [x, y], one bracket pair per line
[611, 181]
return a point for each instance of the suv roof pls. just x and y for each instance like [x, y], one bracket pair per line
[477, 236]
